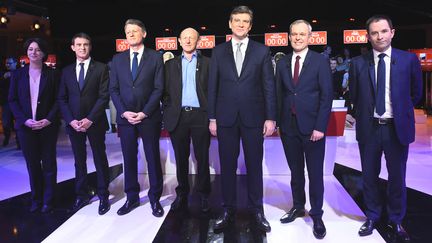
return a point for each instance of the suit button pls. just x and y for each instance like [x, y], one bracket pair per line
[38, 102]
[133, 87]
[295, 93]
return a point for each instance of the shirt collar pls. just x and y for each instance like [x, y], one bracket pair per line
[387, 52]
[302, 54]
[140, 52]
[194, 54]
[86, 62]
[245, 42]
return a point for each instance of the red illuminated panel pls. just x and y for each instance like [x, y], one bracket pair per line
[425, 57]
[355, 36]
[166, 43]
[276, 39]
[318, 38]
[121, 45]
[206, 42]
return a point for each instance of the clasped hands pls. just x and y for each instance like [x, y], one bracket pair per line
[134, 117]
[81, 125]
[37, 125]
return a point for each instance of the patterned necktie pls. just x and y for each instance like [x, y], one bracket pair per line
[380, 97]
[134, 65]
[239, 59]
[296, 70]
[81, 76]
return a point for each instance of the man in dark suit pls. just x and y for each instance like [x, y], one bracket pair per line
[185, 117]
[385, 84]
[136, 86]
[6, 114]
[83, 95]
[305, 97]
[241, 105]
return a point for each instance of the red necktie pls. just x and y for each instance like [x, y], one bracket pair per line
[296, 70]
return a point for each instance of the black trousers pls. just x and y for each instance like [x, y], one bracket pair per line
[192, 125]
[96, 139]
[384, 140]
[229, 148]
[40, 149]
[298, 149]
[149, 132]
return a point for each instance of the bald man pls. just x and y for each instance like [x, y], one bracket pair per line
[185, 117]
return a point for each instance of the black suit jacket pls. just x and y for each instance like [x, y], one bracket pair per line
[252, 96]
[90, 102]
[172, 98]
[19, 96]
[142, 94]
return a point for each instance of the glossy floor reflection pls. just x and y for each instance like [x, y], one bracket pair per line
[419, 211]
[19, 225]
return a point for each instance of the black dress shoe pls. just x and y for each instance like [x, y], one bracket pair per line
[157, 209]
[367, 227]
[128, 206]
[262, 222]
[80, 202]
[47, 208]
[179, 204]
[104, 206]
[204, 205]
[226, 219]
[35, 206]
[292, 214]
[319, 229]
[399, 232]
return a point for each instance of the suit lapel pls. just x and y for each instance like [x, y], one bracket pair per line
[88, 74]
[144, 57]
[289, 84]
[231, 61]
[371, 63]
[247, 57]
[179, 84]
[304, 67]
[43, 81]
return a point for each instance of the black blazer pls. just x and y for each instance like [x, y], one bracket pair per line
[90, 102]
[142, 94]
[252, 96]
[19, 96]
[172, 96]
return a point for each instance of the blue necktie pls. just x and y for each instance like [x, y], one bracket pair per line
[81, 76]
[134, 65]
[380, 98]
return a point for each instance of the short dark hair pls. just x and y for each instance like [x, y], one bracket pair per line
[241, 10]
[377, 18]
[43, 46]
[136, 22]
[81, 35]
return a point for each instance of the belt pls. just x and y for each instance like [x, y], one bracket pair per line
[189, 108]
[383, 121]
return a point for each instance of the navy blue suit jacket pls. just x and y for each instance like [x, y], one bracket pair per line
[142, 94]
[252, 96]
[312, 96]
[405, 90]
[90, 102]
[20, 101]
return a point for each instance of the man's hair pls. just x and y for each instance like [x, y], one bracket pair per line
[299, 21]
[377, 18]
[136, 22]
[241, 10]
[81, 35]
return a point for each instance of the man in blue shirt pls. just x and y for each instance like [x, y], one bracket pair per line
[185, 117]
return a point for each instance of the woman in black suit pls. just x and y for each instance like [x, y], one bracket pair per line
[32, 98]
